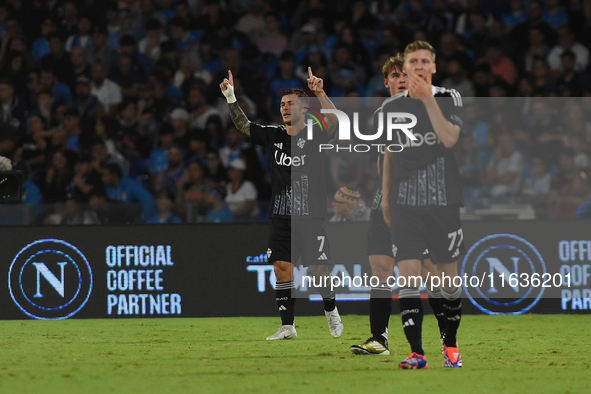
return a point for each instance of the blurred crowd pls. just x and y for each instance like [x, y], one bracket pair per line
[112, 108]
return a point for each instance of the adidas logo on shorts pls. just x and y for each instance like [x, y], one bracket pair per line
[394, 250]
[323, 257]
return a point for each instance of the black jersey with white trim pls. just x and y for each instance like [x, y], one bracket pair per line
[297, 170]
[426, 174]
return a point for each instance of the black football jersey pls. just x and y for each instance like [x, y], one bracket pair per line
[297, 170]
[426, 174]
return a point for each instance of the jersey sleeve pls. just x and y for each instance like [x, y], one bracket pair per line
[452, 108]
[261, 134]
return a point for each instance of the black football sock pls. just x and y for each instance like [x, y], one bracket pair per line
[435, 303]
[451, 304]
[328, 298]
[285, 302]
[411, 312]
[380, 308]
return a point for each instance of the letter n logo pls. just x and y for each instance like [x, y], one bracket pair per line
[57, 284]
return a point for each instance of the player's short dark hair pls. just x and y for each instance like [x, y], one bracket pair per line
[417, 46]
[394, 63]
[298, 92]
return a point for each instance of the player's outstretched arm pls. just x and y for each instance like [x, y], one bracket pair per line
[236, 114]
[316, 85]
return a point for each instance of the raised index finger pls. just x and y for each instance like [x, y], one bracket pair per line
[231, 77]
[310, 72]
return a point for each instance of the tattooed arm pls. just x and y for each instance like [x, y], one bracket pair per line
[239, 118]
[236, 114]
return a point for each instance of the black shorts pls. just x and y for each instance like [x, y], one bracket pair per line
[291, 240]
[439, 230]
[379, 240]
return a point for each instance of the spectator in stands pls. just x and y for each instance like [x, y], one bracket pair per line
[284, 80]
[12, 107]
[105, 211]
[218, 211]
[103, 151]
[239, 147]
[149, 46]
[159, 156]
[180, 119]
[58, 177]
[107, 91]
[569, 82]
[555, 15]
[215, 169]
[516, 16]
[457, 78]
[584, 210]
[197, 143]
[85, 179]
[565, 203]
[10, 137]
[71, 128]
[85, 102]
[58, 60]
[566, 42]
[184, 38]
[201, 111]
[273, 41]
[466, 157]
[536, 184]
[32, 151]
[41, 44]
[80, 66]
[124, 189]
[83, 36]
[69, 18]
[537, 49]
[194, 191]
[534, 20]
[165, 214]
[100, 51]
[580, 149]
[31, 193]
[567, 172]
[58, 90]
[125, 28]
[505, 169]
[175, 175]
[500, 64]
[349, 207]
[241, 195]
[252, 23]
[575, 120]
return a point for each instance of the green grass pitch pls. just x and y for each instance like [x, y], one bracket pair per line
[516, 354]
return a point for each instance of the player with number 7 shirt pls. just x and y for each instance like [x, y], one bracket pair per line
[298, 206]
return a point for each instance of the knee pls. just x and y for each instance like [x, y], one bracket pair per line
[319, 270]
[283, 271]
[382, 267]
